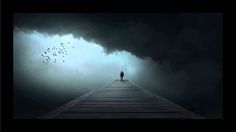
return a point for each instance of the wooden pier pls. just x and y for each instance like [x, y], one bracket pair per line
[121, 100]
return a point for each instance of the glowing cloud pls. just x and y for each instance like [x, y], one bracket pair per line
[87, 63]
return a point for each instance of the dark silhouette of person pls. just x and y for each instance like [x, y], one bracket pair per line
[121, 75]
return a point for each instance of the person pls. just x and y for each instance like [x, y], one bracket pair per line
[121, 75]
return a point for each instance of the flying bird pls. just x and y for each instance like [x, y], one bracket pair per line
[55, 54]
[48, 57]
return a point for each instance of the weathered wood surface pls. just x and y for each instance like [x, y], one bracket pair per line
[120, 99]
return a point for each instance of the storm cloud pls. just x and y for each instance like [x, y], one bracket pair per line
[179, 38]
[186, 46]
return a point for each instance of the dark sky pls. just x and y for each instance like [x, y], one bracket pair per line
[187, 46]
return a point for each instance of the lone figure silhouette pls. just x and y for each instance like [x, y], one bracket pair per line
[121, 75]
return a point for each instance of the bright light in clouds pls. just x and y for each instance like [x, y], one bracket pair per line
[86, 63]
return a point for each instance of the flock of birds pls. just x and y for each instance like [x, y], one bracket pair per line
[53, 54]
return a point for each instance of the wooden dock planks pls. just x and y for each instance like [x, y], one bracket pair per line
[120, 100]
